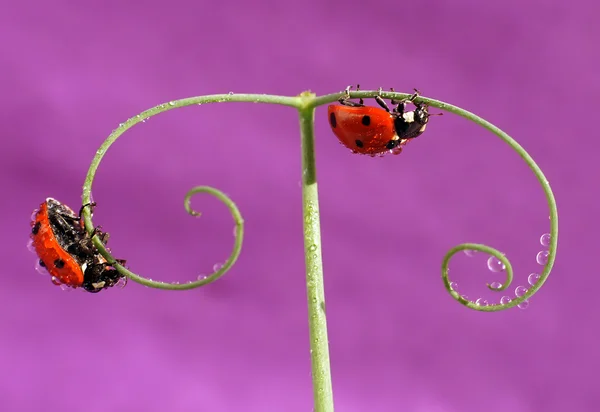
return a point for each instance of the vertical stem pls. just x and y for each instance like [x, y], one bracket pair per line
[319, 344]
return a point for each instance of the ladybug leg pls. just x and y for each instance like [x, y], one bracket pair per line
[394, 102]
[119, 261]
[103, 236]
[416, 94]
[345, 99]
[90, 205]
[382, 102]
[401, 105]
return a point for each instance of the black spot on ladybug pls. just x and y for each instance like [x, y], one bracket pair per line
[391, 144]
[59, 263]
[332, 120]
[359, 143]
[366, 120]
[36, 228]
[42, 264]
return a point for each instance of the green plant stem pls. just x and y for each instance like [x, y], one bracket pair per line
[306, 104]
[319, 343]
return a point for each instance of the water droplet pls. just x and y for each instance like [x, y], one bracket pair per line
[312, 247]
[481, 302]
[396, 150]
[121, 124]
[545, 239]
[520, 291]
[34, 214]
[202, 276]
[495, 265]
[144, 120]
[138, 116]
[230, 93]
[533, 278]
[217, 267]
[542, 257]
[470, 252]
[65, 288]
[465, 297]
[30, 246]
[454, 286]
[496, 285]
[121, 282]
[505, 300]
[523, 305]
[55, 280]
[171, 103]
[40, 269]
[99, 151]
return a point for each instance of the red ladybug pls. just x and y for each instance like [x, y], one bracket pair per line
[373, 130]
[66, 251]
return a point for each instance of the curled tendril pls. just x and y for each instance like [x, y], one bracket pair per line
[474, 246]
[306, 103]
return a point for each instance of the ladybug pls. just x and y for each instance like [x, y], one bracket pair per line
[373, 130]
[65, 249]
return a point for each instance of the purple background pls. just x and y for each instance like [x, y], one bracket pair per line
[74, 70]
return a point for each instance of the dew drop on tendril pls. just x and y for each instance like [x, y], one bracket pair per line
[454, 285]
[465, 297]
[545, 239]
[201, 276]
[523, 305]
[496, 285]
[520, 291]
[470, 252]
[505, 300]
[495, 265]
[533, 278]
[481, 302]
[542, 257]
[217, 267]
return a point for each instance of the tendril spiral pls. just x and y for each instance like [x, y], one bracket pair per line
[475, 246]
[306, 103]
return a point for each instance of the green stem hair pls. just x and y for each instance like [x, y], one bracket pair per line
[306, 103]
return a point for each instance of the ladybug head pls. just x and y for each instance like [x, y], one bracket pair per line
[421, 114]
[411, 124]
[98, 276]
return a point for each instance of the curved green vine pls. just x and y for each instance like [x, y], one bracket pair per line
[306, 103]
